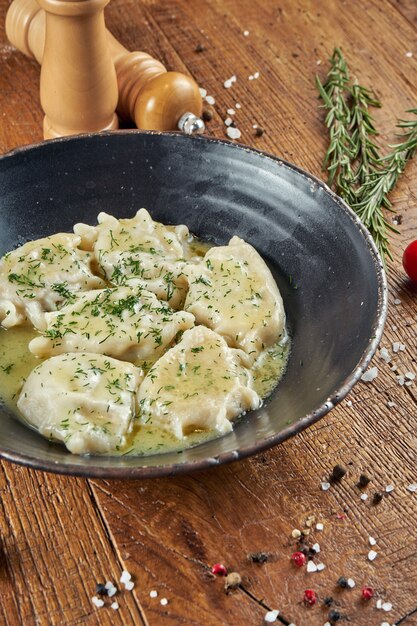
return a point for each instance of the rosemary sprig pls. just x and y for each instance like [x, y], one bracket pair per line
[341, 151]
[373, 193]
[359, 174]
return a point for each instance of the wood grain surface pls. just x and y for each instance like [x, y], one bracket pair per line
[59, 536]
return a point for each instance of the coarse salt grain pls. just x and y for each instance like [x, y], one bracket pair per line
[410, 375]
[349, 403]
[391, 404]
[370, 375]
[320, 567]
[296, 533]
[412, 487]
[364, 496]
[316, 548]
[319, 526]
[409, 54]
[210, 100]
[98, 602]
[271, 616]
[397, 301]
[351, 583]
[238, 105]
[389, 488]
[385, 624]
[114, 606]
[256, 75]
[230, 111]
[250, 77]
[318, 62]
[111, 591]
[245, 33]
[229, 82]
[379, 604]
[372, 555]
[125, 577]
[233, 133]
[395, 346]
[387, 606]
[384, 354]
[400, 380]
[325, 486]
[203, 92]
[129, 585]
[164, 601]
[311, 567]
[402, 347]
[153, 594]
[228, 121]
[372, 541]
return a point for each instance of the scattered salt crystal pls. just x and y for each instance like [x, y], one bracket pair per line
[245, 33]
[238, 106]
[370, 375]
[384, 354]
[410, 375]
[412, 487]
[164, 601]
[228, 121]
[349, 403]
[364, 496]
[395, 346]
[111, 591]
[400, 380]
[296, 533]
[256, 75]
[372, 541]
[229, 82]
[153, 594]
[98, 602]
[325, 486]
[385, 624]
[109, 585]
[129, 585]
[379, 604]
[316, 548]
[372, 555]
[250, 77]
[203, 92]
[402, 347]
[230, 111]
[408, 383]
[391, 404]
[233, 133]
[319, 526]
[394, 327]
[311, 567]
[271, 616]
[351, 583]
[409, 54]
[389, 488]
[387, 606]
[125, 577]
[318, 62]
[114, 606]
[394, 368]
[210, 100]
[254, 125]
[397, 301]
[320, 567]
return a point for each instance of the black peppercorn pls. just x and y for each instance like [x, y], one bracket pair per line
[207, 115]
[328, 601]
[364, 480]
[199, 48]
[338, 472]
[342, 582]
[101, 589]
[377, 497]
[334, 616]
[259, 131]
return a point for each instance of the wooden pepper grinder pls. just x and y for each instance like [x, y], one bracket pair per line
[78, 86]
[149, 95]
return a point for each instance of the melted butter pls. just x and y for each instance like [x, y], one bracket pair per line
[16, 363]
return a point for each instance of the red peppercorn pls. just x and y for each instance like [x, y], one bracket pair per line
[310, 597]
[218, 569]
[367, 593]
[299, 559]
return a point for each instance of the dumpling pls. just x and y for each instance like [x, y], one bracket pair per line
[233, 292]
[200, 384]
[139, 251]
[85, 400]
[40, 276]
[123, 322]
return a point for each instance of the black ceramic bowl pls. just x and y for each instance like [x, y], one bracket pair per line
[323, 259]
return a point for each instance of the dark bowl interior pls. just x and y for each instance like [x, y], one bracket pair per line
[325, 264]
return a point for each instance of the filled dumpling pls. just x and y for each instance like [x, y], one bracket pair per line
[40, 276]
[85, 400]
[139, 251]
[233, 292]
[200, 384]
[123, 322]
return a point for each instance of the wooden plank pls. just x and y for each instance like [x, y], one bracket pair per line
[408, 8]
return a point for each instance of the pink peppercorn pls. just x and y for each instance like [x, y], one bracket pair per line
[367, 593]
[218, 569]
[299, 559]
[310, 597]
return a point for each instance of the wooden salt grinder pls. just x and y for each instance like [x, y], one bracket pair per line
[154, 98]
[78, 86]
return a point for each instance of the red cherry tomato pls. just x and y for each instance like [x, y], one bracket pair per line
[410, 260]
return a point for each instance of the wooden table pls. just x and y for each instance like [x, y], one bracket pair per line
[59, 536]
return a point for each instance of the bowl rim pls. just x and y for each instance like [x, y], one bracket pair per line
[162, 470]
